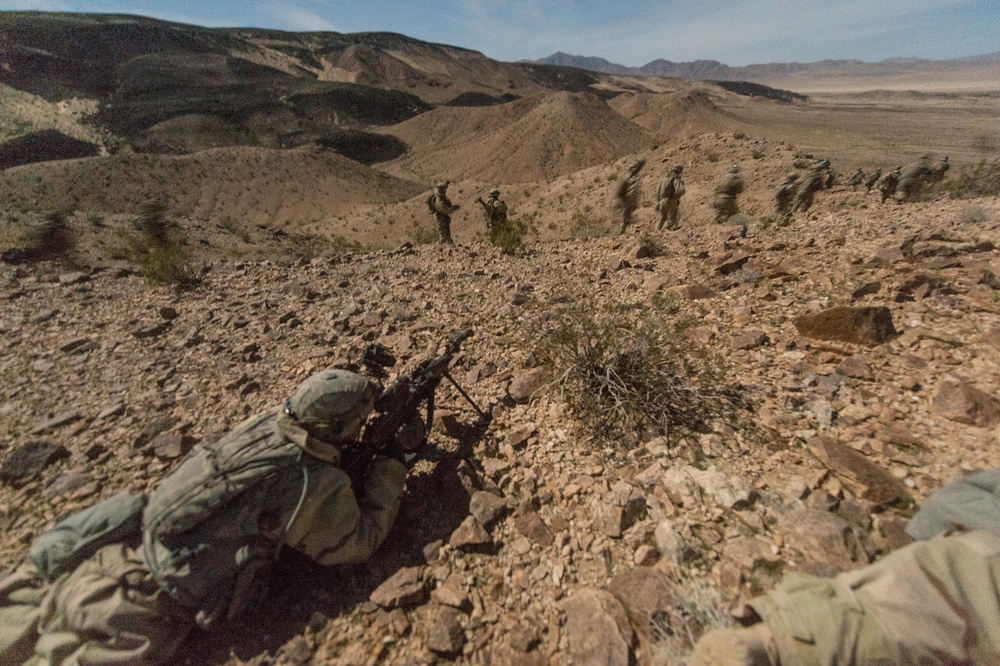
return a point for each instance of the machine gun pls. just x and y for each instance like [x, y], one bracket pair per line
[399, 427]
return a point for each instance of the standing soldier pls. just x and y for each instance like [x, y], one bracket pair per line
[442, 207]
[783, 195]
[814, 181]
[668, 198]
[627, 192]
[872, 179]
[887, 184]
[725, 195]
[856, 179]
[494, 209]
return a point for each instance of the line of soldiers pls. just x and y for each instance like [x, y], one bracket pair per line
[793, 195]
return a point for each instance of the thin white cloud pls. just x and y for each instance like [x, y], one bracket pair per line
[294, 17]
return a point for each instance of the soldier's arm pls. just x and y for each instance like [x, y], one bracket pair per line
[333, 526]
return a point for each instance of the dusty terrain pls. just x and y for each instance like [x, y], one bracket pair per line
[519, 552]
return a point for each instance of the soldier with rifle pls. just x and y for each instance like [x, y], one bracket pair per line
[494, 209]
[126, 581]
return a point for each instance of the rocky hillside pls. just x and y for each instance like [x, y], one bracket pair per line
[863, 340]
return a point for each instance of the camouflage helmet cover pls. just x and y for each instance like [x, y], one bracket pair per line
[332, 404]
[442, 185]
[678, 168]
[638, 164]
[494, 192]
[792, 175]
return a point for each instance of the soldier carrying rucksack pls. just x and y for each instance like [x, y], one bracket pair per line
[494, 209]
[126, 580]
[441, 207]
[668, 198]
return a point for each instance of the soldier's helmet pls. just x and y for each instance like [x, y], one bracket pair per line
[442, 186]
[494, 193]
[638, 164]
[678, 168]
[332, 405]
[792, 176]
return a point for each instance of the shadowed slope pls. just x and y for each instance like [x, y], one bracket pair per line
[259, 185]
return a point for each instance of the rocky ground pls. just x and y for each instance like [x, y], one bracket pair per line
[551, 546]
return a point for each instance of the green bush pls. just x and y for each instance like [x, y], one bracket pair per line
[508, 236]
[981, 180]
[629, 372]
[49, 239]
[169, 265]
[159, 251]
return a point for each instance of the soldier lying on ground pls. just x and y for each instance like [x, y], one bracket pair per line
[125, 581]
[933, 602]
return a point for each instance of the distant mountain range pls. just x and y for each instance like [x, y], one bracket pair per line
[787, 75]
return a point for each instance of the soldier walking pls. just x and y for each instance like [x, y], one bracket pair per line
[725, 195]
[627, 193]
[784, 194]
[871, 180]
[857, 179]
[668, 198]
[442, 208]
[888, 183]
[814, 181]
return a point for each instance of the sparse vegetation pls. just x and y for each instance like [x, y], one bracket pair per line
[700, 609]
[973, 215]
[508, 236]
[981, 180]
[712, 157]
[628, 373]
[584, 226]
[746, 276]
[650, 246]
[159, 251]
[984, 143]
[423, 236]
[49, 239]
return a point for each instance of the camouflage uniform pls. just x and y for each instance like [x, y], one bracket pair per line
[871, 180]
[627, 193]
[668, 198]
[115, 607]
[442, 207]
[724, 202]
[856, 179]
[814, 181]
[888, 183]
[936, 601]
[784, 194]
[494, 209]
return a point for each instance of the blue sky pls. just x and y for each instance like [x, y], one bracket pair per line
[634, 32]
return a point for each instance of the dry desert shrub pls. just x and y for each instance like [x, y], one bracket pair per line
[630, 373]
[973, 215]
[508, 236]
[160, 250]
[674, 633]
[980, 180]
[49, 239]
